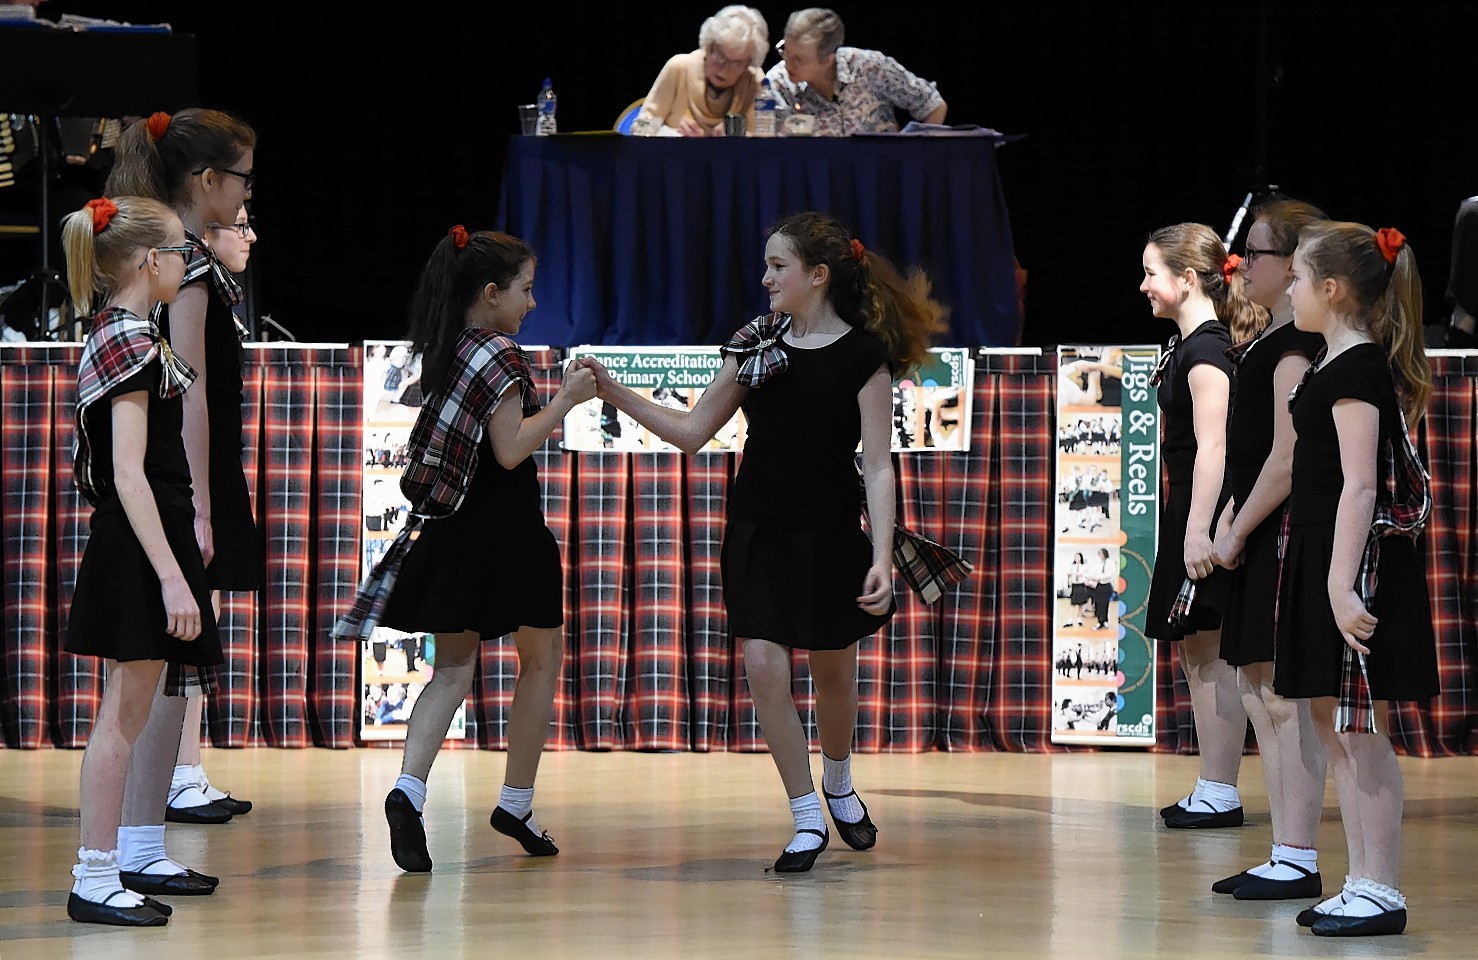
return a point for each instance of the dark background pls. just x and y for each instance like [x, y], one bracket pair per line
[380, 126]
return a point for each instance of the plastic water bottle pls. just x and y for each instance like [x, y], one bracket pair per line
[547, 102]
[764, 110]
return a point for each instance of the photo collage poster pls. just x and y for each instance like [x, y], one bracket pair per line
[394, 666]
[1105, 513]
[931, 405]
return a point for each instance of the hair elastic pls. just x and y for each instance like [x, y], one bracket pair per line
[103, 211]
[1229, 267]
[458, 235]
[857, 250]
[158, 124]
[1390, 240]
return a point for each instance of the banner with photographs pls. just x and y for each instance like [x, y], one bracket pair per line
[394, 666]
[1106, 510]
[931, 407]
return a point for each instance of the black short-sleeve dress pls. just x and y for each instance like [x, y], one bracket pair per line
[1206, 344]
[117, 609]
[491, 567]
[1310, 650]
[795, 555]
[1252, 587]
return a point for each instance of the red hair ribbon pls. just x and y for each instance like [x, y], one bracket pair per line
[458, 235]
[857, 249]
[158, 124]
[1390, 240]
[1229, 268]
[103, 210]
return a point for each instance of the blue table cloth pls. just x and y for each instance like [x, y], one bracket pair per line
[655, 241]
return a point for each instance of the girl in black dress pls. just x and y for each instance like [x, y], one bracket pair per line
[1354, 618]
[474, 560]
[200, 162]
[1259, 472]
[1189, 279]
[141, 588]
[814, 377]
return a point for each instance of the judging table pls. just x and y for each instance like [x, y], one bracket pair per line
[660, 240]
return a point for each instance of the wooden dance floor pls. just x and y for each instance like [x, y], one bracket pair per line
[665, 855]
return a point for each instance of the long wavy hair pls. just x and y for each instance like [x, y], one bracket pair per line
[868, 291]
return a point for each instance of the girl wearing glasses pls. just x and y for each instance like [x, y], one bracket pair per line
[799, 573]
[1259, 460]
[474, 491]
[199, 162]
[1190, 280]
[1354, 617]
[141, 588]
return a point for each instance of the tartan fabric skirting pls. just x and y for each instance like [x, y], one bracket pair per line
[650, 665]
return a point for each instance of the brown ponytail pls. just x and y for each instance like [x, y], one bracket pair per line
[1388, 296]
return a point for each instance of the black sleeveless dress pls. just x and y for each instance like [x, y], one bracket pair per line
[795, 555]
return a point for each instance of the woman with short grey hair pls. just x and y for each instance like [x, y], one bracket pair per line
[695, 91]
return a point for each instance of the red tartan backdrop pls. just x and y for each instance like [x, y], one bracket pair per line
[650, 665]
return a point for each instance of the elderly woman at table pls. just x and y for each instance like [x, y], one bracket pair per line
[696, 90]
[847, 90]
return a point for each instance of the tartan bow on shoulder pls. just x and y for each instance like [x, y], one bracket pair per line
[757, 347]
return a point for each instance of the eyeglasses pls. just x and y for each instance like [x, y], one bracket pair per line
[723, 62]
[184, 251]
[1254, 252]
[247, 179]
[242, 229]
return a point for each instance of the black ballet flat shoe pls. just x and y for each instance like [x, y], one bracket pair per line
[163, 908]
[534, 844]
[1230, 884]
[1173, 810]
[1308, 916]
[1382, 924]
[90, 911]
[407, 834]
[1189, 820]
[1301, 888]
[802, 860]
[211, 813]
[862, 835]
[187, 884]
[237, 807]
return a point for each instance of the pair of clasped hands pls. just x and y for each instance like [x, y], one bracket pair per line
[1355, 622]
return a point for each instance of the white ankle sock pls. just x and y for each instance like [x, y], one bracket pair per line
[1338, 900]
[807, 813]
[1213, 797]
[140, 847]
[185, 789]
[836, 780]
[203, 782]
[520, 801]
[414, 788]
[1366, 898]
[96, 878]
[1285, 858]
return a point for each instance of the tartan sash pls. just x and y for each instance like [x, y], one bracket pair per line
[928, 567]
[1403, 515]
